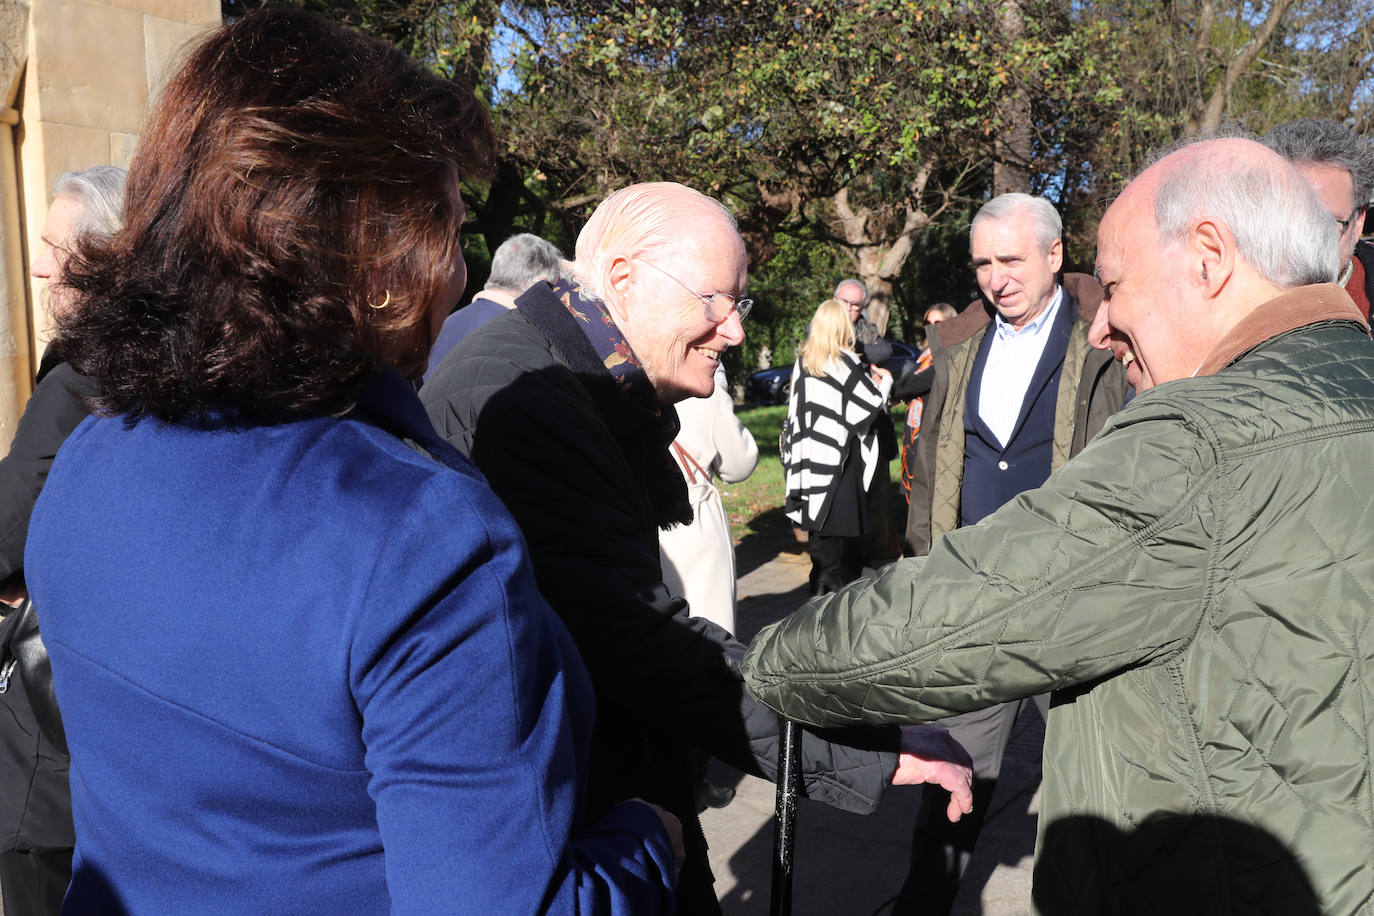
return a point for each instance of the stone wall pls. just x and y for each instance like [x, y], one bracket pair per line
[15, 346]
[81, 79]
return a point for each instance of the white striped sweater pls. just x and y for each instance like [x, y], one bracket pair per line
[823, 413]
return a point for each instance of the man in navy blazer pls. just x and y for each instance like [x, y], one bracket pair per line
[1017, 391]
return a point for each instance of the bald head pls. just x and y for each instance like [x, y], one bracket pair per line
[643, 221]
[1244, 185]
[1192, 246]
[670, 266]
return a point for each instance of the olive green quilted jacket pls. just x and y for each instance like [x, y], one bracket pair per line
[1197, 588]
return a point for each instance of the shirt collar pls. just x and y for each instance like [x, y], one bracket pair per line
[1034, 327]
[500, 297]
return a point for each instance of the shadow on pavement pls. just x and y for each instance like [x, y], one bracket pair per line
[847, 863]
[770, 535]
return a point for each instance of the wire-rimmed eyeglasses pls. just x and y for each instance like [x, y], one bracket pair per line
[718, 305]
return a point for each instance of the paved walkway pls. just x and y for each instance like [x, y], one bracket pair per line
[849, 864]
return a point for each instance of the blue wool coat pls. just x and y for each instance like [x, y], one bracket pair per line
[304, 668]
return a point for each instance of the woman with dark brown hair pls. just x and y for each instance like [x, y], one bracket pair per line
[301, 659]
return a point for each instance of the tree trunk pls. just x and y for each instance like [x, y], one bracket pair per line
[1011, 150]
[878, 260]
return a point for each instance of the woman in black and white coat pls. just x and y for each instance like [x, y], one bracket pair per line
[830, 446]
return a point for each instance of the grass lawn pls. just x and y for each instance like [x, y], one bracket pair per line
[755, 504]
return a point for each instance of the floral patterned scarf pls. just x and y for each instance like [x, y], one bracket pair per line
[667, 491]
[596, 322]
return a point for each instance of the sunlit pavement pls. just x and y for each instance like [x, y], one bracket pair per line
[851, 864]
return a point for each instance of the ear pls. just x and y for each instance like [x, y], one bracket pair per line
[1056, 256]
[1359, 223]
[1212, 251]
[618, 287]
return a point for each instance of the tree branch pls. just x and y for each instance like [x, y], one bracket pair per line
[1235, 68]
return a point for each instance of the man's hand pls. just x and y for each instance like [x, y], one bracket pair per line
[929, 754]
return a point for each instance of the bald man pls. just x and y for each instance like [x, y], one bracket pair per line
[1194, 586]
[565, 404]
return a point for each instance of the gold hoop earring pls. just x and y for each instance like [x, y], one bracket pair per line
[385, 302]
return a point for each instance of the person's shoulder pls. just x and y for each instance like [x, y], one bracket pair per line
[59, 390]
[954, 332]
[379, 482]
[501, 350]
[1289, 389]
[1083, 295]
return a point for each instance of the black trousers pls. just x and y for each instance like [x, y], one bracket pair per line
[940, 851]
[835, 562]
[34, 883]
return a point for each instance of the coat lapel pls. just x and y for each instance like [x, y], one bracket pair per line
[1051, 359]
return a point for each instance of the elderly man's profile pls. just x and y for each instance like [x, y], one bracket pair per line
[1193, 587]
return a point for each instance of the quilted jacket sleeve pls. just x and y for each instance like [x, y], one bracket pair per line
[548, 454]
[1101, 569]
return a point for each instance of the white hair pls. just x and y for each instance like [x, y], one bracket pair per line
[1327, 143]
[1048, 226]
[100, 192]
[852, 281]
[1280, 227]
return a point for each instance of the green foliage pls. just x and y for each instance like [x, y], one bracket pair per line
[782, 107]
[939, 272]
[786, 291]
[776, 103]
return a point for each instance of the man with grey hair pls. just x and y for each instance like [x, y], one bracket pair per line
[1194, 586]
[853, 292]
[519, 262]
[1017, 391]
[1339, 165]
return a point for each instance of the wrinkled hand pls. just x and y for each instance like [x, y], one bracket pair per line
[674, 828]
[929, 754]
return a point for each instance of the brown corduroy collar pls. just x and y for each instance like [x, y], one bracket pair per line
[1286, 312]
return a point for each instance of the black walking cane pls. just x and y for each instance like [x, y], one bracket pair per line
[785, 818]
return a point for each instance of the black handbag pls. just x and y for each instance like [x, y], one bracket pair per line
[23, 655]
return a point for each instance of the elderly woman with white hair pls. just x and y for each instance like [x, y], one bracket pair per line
[565, 404]
[36, 810]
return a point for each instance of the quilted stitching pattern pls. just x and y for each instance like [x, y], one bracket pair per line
[1199, 586]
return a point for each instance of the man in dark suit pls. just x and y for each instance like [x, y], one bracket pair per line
[1017, 391]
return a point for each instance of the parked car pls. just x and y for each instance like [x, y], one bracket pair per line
[774, 386]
